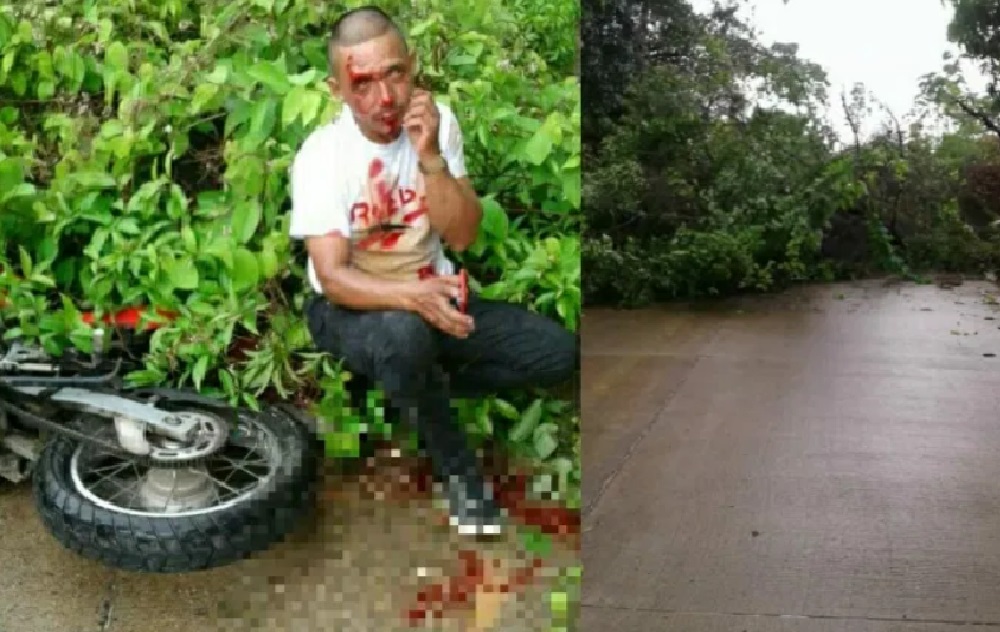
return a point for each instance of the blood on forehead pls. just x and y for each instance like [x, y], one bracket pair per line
[356, 75]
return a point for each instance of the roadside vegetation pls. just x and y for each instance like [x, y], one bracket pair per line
[144, 154]
[698, 185]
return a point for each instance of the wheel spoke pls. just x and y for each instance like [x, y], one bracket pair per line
[115, 469]
[122, 488]
[239, 467]
[218, 482]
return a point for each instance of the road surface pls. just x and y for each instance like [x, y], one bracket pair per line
[827, 460]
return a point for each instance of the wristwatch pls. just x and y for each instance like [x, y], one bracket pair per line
[436, 164]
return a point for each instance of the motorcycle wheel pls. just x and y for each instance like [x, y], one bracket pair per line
[101, 505]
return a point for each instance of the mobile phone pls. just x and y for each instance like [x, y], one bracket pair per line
[462, 302]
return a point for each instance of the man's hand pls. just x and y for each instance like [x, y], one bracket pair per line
[432, 299]
[421, 121]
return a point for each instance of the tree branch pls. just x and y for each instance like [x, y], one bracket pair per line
[979, 115]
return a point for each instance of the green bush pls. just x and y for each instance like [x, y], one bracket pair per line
[695, 188]
[144, 154]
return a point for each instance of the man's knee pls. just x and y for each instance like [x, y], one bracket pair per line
[561, 355]
[553, 357]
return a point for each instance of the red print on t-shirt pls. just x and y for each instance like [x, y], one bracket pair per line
[378, 218]
[382, 211]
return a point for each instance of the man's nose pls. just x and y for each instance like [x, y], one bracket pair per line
[384, 93]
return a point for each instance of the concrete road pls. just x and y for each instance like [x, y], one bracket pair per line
[823, 461]
[356, 566]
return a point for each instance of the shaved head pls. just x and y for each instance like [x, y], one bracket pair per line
[358, 26]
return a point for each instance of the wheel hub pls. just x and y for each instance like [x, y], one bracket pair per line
[208, 438]
[175, 490]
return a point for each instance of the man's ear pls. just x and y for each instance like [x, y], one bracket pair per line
[334, 85]
[414, 62]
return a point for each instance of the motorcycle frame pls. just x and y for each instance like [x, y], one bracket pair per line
[94, 386]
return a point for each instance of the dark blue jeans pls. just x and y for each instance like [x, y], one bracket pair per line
[421, 368]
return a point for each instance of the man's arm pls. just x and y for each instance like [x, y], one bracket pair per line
[354, 289]
[347, 286]
[453, 208]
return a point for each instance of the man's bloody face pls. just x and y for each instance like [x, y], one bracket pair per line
[376, 82]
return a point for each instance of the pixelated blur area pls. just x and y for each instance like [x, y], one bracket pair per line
[377, 554]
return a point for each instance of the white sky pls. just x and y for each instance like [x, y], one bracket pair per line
[885, 44]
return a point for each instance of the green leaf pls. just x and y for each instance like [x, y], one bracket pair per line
[535, 542]
[495, 221]
[19, 81]
[301, 102]
[261, 122]
[539, 147]
[563, 466]
[270, 75]
[177, 203]
[116, 57]
[128, 226]
[25, 31]
[528, 422]
[190, 239]
[49, 248]
[559, 603]
[11, 172]
[221, 249]
[226, 379]
[199, 371]
[24, 189]
[26, 263]
[505, 408]
[545, 440]
[268, 261]
[94, 180]
[246, 219]
[202, 96]
[304, 78]
[183, 274]
[104, 30]
[245, 273]
[291, 107]
[210, 202]
[82, 340]
[571, 188]
[46, 89]
[311, 106]
[219, 75]
[421, 27]
[483, 421]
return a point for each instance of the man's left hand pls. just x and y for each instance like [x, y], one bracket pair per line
[421, 123]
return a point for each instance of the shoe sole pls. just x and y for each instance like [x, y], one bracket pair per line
[478, 529]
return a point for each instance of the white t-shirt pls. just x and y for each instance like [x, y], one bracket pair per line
[373, 194]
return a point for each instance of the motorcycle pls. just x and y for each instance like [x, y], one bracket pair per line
[148, 479]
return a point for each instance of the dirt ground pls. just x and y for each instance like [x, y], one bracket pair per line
[357, 565]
